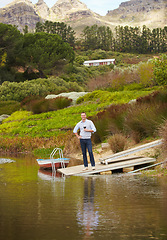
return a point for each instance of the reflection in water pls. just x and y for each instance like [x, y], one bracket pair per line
[49, 175]
[36, 205]
[87, 215]
[6, 160]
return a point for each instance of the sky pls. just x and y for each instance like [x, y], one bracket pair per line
[98, 6]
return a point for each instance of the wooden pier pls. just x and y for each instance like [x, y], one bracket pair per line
[120, 163]
[123, 160]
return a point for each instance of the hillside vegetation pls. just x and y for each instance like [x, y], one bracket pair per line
[126, 101]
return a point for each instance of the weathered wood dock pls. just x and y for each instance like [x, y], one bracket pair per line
[119, 163]
[121, 160]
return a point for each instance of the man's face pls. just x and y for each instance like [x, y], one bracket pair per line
[83, 116]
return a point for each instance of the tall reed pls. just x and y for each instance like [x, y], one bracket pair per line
[117, 142]
[163, 134]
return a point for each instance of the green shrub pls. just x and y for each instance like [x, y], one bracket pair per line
[6, 75]
[8, 107]
[115, 97]
[145, 72]
[80, 59]
[70, 68]
[18, 91]
[133, 86]
[18, 116]
[99, 54]
[38, 87]
[160, 70]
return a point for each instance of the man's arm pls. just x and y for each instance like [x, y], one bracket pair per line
[75, 131]
[88, 130]
[93, 128]
[76, 134]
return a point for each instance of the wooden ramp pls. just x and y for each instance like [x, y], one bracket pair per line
[111, 158]
[119, 163]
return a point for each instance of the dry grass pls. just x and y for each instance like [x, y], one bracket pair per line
[118, 143]
[38, 104]
[117, 78]
[72, 144]
[143, 120]
[163, 134]
[114, 79]
[99, 82]
[29, 144]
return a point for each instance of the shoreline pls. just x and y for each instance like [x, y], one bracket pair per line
[103, 150]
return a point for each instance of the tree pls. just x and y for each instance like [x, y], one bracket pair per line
[145, 39]
[10, 43]
[160, 70]
[95, 37]
[66, 32]
[44, 51]
[25, 30]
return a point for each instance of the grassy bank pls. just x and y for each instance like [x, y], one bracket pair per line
[111, 112]
[24, 123]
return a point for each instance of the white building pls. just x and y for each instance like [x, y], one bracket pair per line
[99, 62]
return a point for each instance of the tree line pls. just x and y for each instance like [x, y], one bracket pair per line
[122, 39]
[125, 39]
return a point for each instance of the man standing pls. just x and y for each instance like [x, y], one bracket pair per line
[86, 129]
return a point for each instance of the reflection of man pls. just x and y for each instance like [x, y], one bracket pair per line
[87, 216]
[86, 129]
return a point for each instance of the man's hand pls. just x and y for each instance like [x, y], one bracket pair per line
[88, 130]
[76, 134]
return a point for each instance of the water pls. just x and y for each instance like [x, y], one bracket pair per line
[36, 205]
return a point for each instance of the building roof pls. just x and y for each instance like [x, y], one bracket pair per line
[101, 60]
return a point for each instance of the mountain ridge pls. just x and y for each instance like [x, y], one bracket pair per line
[76, 14]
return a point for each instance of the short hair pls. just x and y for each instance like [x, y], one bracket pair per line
[83, 113]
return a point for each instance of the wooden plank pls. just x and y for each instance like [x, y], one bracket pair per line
[106, 160]
[128, 169]
[106, 173]
[77, 170]
[121, 159]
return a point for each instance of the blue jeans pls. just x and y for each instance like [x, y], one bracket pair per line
[87, 144]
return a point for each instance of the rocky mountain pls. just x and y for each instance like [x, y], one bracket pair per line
[73, 12]
[68, 8]
[42, 9]
[136, 6]
[152, 13]
[78, 15]
[20, 13]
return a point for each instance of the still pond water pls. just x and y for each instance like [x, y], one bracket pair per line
[34, 205]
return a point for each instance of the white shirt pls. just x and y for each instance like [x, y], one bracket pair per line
[81, 125]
